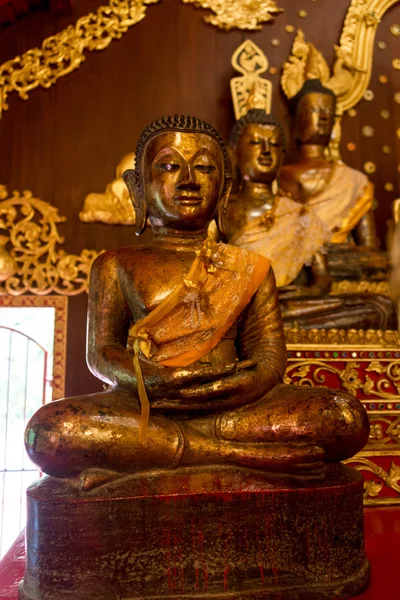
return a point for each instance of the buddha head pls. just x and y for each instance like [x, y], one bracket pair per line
[181, 176]
[314, 110]
[258, 146]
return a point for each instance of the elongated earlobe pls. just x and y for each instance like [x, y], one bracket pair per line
[223, 205]
[130, 178]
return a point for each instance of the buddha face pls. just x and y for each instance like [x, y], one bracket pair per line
[259, 152]
[315, 118]
[183, 176]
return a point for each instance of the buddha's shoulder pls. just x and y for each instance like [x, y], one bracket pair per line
[126, 255]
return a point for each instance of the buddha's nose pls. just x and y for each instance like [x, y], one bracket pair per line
[188, 179]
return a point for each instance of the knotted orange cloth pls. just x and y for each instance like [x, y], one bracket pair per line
[191, 321]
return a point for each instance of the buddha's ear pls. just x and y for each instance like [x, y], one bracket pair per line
[223, 205]
[130, 178]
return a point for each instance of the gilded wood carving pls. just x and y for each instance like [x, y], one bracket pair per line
[35, 264]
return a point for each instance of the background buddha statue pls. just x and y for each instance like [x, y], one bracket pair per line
[260, 217]
[291, 235]
[199, 382]
[342, 197]
[114, 206]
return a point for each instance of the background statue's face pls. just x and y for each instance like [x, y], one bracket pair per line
[315, 118]
[183, 176]
[259, 152]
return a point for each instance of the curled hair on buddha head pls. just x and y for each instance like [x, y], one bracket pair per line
[183, 123]
[259, 116]
[311, 86]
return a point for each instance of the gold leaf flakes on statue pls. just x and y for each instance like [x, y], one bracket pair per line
[241, 14]
[114, 206]
[250, 90]
[34, 263]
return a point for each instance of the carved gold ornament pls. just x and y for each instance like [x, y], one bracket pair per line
[250, 90]
[359, 287]
[240, 14]
[34, 263]
[114, 206]
[372, 488]
[65, 51]
[343, 337]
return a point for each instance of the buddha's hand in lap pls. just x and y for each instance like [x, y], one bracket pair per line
[166, 382]
[299, 292]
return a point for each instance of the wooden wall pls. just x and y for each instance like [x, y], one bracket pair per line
[66, 141]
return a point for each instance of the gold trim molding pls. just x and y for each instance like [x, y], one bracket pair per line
[60, 304]
[65, 51]
[342, 337]
[35, 264]
[372, 488]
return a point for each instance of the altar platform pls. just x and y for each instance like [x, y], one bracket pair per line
[382, 538]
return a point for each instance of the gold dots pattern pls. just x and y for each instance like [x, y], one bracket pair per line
[397, 97]
[275, 42]
[369, 95]
[383, 79]
[289, 29]
[389, 187]
[368, 131]
[398, 134]
[302, 14]
[351, 147]
[370, 168]
[386, 149]
[398, 169]
[396, 64]
[273, 70]
[395, 29]
[352, 112]
[385, 114]
[382, 45]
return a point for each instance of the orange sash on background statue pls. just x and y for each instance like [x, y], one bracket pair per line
[191, 321]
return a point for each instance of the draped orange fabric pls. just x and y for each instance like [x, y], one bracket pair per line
[191, 321]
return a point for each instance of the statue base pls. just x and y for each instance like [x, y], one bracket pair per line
[201, 533]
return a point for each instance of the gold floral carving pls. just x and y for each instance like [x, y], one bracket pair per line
[35, 264]
[239, 14]
[313, 373]
[360, 287]
[60, 305]
[64, 52]
[372, 488]
[250, 90]
[342, 337]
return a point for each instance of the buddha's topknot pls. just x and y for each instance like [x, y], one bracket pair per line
[311, 86]
[259, 116]
[176, 123]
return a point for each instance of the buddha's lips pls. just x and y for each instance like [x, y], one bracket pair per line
[189, 200]
[265, 162]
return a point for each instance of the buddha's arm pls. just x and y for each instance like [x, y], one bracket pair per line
[365, 232]
[261, 336]
[320, 272]
[108, 324]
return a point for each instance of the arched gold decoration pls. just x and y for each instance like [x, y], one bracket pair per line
[64, 52]
[114, 206]
[34, 264]
[352, 70]
[250, 90]
[239, 14]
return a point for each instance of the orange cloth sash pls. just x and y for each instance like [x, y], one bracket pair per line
[191, 321]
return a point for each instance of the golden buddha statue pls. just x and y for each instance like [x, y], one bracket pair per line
[114, 206]
[260, 217]
[187, 335]
[342, 197]
[291, 235]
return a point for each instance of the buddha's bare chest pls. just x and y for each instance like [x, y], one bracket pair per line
[312, 181]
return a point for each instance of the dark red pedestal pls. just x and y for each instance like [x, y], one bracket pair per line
[197, 533]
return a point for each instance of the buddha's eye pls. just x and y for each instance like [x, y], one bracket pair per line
[255, 142]
[168, 166]
[205, 168]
